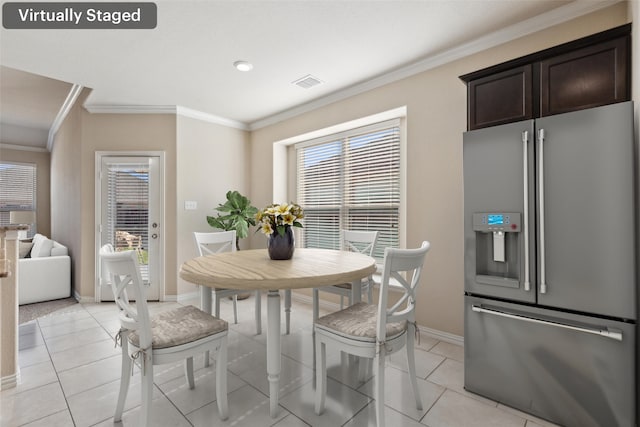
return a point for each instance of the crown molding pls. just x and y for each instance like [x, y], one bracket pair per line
[62, 114]
[130, 109]
[165, 109]
[211, 118]
[538, 23]
[4, 146]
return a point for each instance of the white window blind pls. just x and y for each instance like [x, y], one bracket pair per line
[351, 181]
[128, 209]
[17, 190]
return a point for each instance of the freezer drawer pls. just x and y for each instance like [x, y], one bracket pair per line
[569, 369]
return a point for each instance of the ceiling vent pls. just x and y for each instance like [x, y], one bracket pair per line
[307, 82]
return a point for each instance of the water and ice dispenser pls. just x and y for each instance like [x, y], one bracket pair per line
[497, 248]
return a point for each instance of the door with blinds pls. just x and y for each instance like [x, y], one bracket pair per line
[130, 215]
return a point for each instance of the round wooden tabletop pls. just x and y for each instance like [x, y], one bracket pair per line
[253, 269]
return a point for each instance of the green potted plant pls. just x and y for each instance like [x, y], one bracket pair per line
[236, 213]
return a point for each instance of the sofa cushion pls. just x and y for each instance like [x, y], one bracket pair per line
[41, 246]
[37, 241]
[59, 250]
[24, 248]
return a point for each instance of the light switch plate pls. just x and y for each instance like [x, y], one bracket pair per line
[190, 205]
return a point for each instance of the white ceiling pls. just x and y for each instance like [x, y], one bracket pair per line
[187, 60]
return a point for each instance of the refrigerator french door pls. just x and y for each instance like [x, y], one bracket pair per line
[550, 266]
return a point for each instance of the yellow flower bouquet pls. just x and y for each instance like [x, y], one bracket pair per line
[278, 217]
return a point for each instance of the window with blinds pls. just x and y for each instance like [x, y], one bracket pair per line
[127, 216]
[17, 191]
[351, 181]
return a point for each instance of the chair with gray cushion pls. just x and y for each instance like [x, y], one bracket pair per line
[374, 331]
[167, 337]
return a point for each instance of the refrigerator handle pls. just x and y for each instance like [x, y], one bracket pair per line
[525, 168]
[603, 331]
[543, 284]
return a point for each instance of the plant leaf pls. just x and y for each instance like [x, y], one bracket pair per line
[217, 223]
[242, 228]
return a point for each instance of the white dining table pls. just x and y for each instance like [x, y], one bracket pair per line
[254, 270]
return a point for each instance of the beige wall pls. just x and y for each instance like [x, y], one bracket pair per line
[127, 132]
[211, 160]
[66, 205]
[436, 119]
[43, 195]
[73, 182]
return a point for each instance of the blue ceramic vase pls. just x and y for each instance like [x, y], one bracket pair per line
[281, 247]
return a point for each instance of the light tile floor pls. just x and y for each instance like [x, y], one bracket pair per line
[70, 372]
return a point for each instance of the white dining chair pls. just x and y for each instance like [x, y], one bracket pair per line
[355, 241]
[217, 242]
[375, 331]
[167, 337]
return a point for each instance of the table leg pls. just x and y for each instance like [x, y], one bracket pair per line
[287, 311]
[205, 299]
[273, 349]
[205, 305]
[356, 297]
[356, 291]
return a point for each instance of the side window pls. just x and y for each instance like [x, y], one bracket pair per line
[18, 194]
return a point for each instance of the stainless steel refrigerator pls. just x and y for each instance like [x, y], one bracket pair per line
[551, 290]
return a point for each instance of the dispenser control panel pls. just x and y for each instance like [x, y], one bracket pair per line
[507, 222]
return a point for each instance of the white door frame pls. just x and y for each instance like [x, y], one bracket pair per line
[98, 204]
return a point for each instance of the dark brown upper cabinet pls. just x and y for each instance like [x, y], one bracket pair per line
[501, 98]
[588, 77]
[585, 73]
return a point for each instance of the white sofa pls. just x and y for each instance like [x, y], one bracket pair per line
[46, 274]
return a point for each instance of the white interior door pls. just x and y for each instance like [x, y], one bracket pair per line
[130, 215]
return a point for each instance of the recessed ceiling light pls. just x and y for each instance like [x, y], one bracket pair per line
[243, 65]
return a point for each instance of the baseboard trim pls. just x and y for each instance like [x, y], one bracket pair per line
[424, 331]
[441, 335]
[83, 300]
[10, 381]
[185, 297]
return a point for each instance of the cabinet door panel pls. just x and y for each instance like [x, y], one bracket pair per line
[588, 77]
[501, 98]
